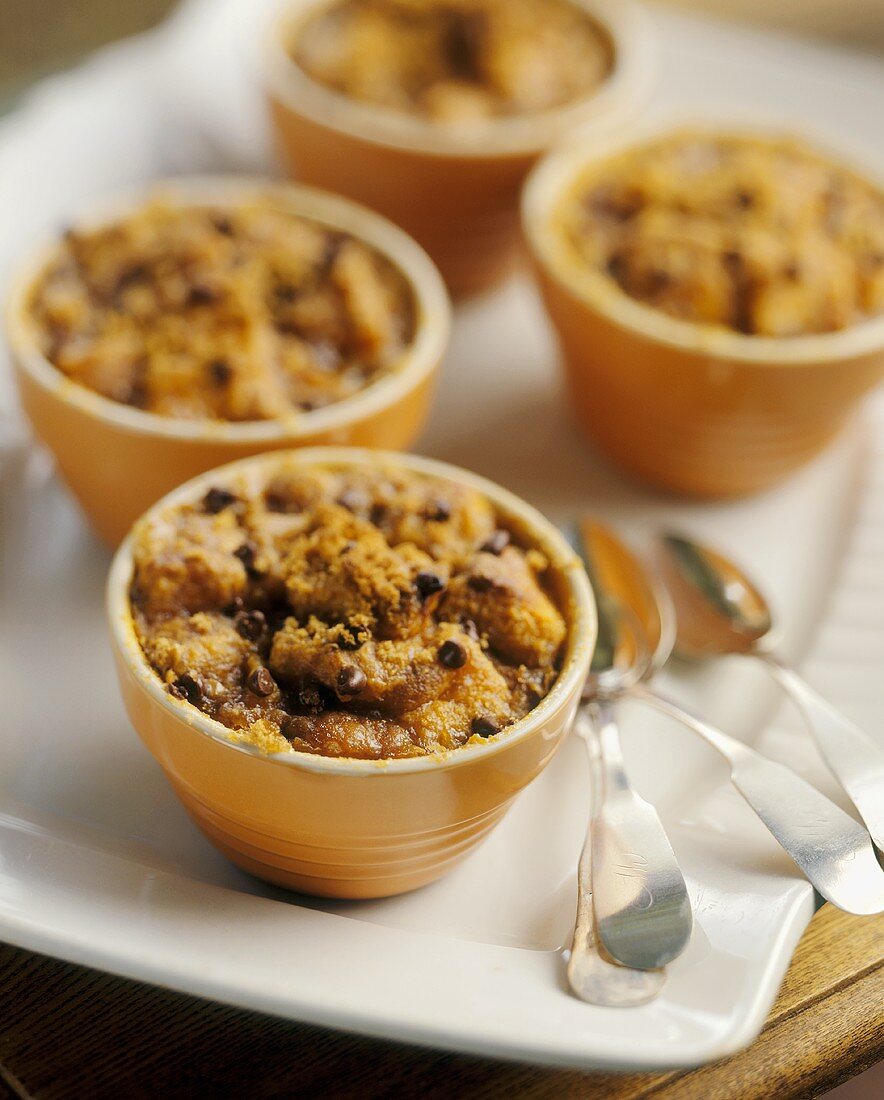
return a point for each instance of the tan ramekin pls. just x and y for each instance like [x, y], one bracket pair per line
[118, 460]
[456, 194]
[695, 409]
[339, 827]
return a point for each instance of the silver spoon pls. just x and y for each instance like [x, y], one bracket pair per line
[834, 851]
[721, 612]
[639, 898]
[592, 977]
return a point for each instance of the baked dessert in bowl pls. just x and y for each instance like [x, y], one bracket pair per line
[718, 295]
[433, 112]
[348, 662]
[215, 319]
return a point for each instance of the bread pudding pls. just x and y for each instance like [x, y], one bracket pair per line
[455, 61]
[351, 611]
[233, 313]
[759, 235]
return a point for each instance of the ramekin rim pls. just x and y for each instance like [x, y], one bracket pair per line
[416, 363]
[625, 21]
[581, 631]
[550, 178]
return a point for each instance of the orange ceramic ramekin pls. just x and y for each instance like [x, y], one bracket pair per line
[699, 410]
[118, 460]
[339, 827]
[456, 193]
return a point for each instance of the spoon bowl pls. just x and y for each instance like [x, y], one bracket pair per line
[718, 609]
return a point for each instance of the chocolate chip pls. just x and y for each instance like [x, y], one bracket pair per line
[497, 543]
[733, 261]
[222, 225]
[250, 625]
[617, 266]
[612, 206]
[187, 687]
[452, 654]
[438, 511]
[334, 242]
[470, 629]
[484, 727]
[278, 502]
[138, 392]
[260, 682]
[378, 514]
[135, 273]
[307, 406]
[202, 295]
[745, 200]
[285, 292]
[235, 605]
[247, 554]
[351, 680]
[480, 583]
[220, 371]
[465, 37]
[216, 500]
[428, 584]
[658, 280]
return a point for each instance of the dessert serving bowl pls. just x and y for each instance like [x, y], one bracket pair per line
[697, 409]
[337, 826]
[118, 459]
[454, 189]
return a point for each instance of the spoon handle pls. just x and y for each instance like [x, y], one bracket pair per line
[592, 977]
[855, 760]
[832, 849]
[640, 900]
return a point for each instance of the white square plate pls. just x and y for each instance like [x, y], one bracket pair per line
[100, 865]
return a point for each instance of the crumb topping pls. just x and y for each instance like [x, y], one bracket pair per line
[346, 611]
[456, 61]
[761, 236]
[240, 314]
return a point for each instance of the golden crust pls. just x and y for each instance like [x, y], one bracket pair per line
[456, 61]
[247, 313]
[762, 236]
[287, 610]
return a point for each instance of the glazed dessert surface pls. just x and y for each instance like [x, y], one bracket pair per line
[238, 314]
[455, 61]
[761, 236]
[353, 612]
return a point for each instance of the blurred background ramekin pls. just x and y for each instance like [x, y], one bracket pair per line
[456, 193]
[690, 408]
[117, 460]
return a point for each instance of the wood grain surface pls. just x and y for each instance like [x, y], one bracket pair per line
[66, 1031]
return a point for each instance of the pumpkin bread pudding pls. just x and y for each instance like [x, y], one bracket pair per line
[759, 235]
[346, 611]
[455, 61]
[236, 314]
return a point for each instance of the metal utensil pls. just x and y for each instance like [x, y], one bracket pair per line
[720, 613]
[833, 850]
[593, 977]
[639, 899]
